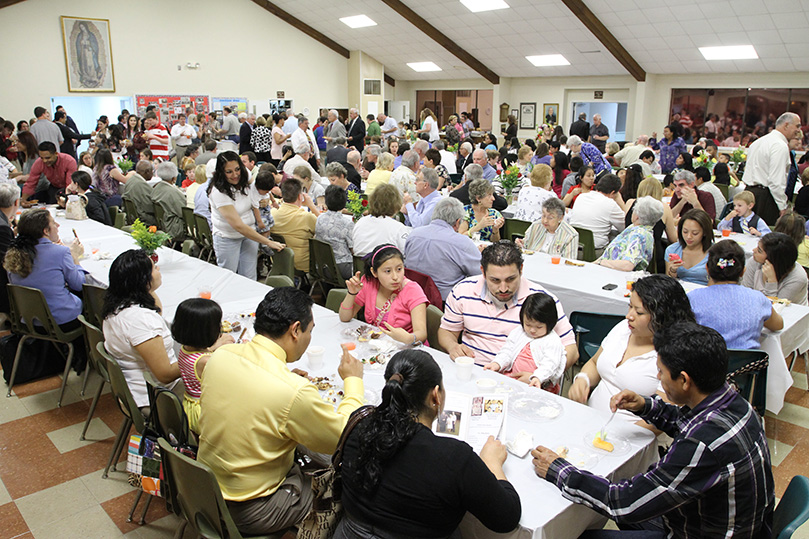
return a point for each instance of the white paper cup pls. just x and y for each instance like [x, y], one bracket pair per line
[486, 384]
[463, 368]
[315, 354]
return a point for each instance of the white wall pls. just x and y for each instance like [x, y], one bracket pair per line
[242, 50]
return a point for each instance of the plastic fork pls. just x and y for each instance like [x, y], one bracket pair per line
[603, 432]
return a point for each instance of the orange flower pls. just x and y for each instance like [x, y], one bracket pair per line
[152, 229]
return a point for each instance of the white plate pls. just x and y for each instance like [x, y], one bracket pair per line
[535, 408]
[581, 458]
[620, 444]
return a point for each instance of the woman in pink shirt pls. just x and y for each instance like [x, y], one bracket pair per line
[392, 302]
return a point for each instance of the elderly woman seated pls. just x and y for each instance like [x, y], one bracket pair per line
[481, 219]
[552, 234]
[633, 248]
[529, 202]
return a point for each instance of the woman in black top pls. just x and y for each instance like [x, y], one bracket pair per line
[401, 480]
[511, 130]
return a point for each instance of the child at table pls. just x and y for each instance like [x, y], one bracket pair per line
[197, 327]
[742, 219]
[533, 353]
[261, 200]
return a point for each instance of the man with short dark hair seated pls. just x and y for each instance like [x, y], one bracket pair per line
[715, 481]
[255, 412]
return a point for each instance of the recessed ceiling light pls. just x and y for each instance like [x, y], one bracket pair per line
[476, 6]
[738, 52]
[548, 60]
[423, 66]
[358, 21]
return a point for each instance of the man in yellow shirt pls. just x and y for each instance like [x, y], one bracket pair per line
[294, 223]
[255, 412]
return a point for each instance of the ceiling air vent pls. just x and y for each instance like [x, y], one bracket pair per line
[372, 87]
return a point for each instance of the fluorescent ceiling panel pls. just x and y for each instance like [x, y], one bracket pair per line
[358, 21]
[476, 6]
[548, 60]
[737, 52]
[423, 66]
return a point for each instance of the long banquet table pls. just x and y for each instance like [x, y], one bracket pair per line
[545, 513]
[581, 289]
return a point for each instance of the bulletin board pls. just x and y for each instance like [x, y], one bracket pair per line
[236, 104]
[169, 106]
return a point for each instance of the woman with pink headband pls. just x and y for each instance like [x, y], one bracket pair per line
[392, 302]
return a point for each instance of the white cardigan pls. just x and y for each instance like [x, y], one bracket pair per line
[548, 354]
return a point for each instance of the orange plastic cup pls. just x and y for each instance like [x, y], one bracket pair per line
[630, 284]
[205, 294]
[556, 259]
[726, 233]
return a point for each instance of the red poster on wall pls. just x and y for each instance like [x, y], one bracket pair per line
[169, 106]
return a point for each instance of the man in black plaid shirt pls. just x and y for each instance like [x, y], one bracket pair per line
[715, 481]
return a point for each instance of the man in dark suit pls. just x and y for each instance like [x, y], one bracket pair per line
[355, 128]
[245, 131]
[338, 154]
[353, 168]
[71, 137]
[581, 127]
[465, 157]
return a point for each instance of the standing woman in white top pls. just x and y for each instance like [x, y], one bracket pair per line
[627, 357]
[279, 137]
[235, 239]
[429, 125]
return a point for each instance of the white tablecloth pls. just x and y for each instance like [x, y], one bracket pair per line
[546, 514]
[581, 289]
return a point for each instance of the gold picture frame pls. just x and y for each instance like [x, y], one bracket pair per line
[88, 54]
[549, 109]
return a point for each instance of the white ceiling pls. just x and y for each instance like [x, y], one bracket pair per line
[660, 38]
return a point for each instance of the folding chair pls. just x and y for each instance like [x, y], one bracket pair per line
[204, 237]
[587, 245]
[434, 315]
[27, 306]
[323, 267]
[131, 211]
[747, 369]
[92, 338]
[793, 509]
[514, 228]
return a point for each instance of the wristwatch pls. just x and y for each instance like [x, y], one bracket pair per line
[416, 342]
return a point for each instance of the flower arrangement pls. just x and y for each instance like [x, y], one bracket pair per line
[356, 205]
[705, 160]
[453, 148]
[125, 165]
[510, 178]
[148, 238]
[739, 155]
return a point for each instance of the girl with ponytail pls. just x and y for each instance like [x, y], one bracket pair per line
[401, 480]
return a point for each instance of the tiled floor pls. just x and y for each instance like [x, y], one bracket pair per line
[51, 485]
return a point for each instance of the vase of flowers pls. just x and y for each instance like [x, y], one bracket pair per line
[148, 238]
[356, 205]
[509, 179]
[738, 157]
[453, 148]
[705, 160]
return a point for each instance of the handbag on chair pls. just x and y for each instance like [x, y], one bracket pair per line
[327, 507]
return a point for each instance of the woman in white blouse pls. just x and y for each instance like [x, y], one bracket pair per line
[529, 202]
[429, 125]
[379, 226]
[627, 357]
[235, 239]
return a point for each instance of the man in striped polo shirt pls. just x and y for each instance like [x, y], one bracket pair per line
[483, 310]
[157, 136]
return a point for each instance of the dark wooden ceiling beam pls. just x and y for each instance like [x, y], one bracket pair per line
[390, 80]
[416, 20]
[300, 25]
[598, 29]
[6, 3]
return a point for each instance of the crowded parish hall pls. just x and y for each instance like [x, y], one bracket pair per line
[407, 269]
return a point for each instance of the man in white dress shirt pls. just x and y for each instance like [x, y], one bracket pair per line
[447, 158]
[291, 123]
[598, 212]
[765, 173]
[304, 135]
[387, 124]
[181, 135]
[301, 158]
